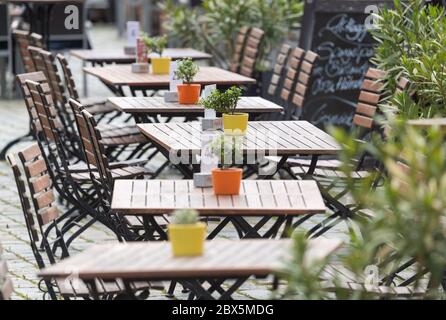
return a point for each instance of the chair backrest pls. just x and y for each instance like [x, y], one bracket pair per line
[42, 99]
[94, 151]
[238, 50]
[278, 71]
[40, 185]
[303, 79]
[23, 42]
[38, 202]
[292, 70]
[21, 79]
[5, 280]
[45, 62]
[369, 98]
[68, 76]
[251, 52]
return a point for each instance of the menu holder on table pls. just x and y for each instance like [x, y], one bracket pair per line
[132, 36]
[172, 94]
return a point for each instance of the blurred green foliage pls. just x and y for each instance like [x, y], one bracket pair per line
[408, 221]
[411, 42]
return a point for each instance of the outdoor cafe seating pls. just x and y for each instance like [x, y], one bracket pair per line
[202, 164]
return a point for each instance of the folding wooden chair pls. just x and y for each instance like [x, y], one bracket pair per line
[46, 236]
[72, 181]
[6, 286]
[94, 106]
[101, 172]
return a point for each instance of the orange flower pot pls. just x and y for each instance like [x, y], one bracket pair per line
[227, 181]
[188, 93]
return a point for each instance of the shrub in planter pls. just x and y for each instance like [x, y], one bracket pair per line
[160, 64]
[186, 233]
[188, 93]
[226, 103]
[226, 180]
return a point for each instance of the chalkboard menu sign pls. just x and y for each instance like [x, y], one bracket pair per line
[337, 32]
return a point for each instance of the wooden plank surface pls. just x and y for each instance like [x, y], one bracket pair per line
[154, 260]
[119, 56]
[122, 75]
[157, 105]
[256, 198]
[272, 137]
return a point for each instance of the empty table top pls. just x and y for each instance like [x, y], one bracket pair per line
[122, 75]
[221, 258]
[273, 137]
[256, 198]
[156, 105]
[101, 56]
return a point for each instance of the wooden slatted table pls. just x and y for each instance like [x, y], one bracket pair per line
[142, 107]
[282, 199]
[96, 56]
[263, 138]
[284, 137]
[118, 76]
[223, 259]
[257, 198]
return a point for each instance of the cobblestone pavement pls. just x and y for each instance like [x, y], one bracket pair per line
[13, 234]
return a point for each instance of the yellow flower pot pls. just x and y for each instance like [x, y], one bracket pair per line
[161, 65]
[187, 239]
[235, 124]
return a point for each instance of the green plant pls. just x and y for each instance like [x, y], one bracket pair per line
[185, 216]
[186, 70]
[409, 209]
[155, 44]
[408, 221]
[228, 150]
[223, 102]
[214, 25]
[411, 40]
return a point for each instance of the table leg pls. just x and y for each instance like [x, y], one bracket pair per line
[279, 166]
[200, 293]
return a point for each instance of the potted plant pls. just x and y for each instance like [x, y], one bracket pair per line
[156, 45]
[186, 233]
[188, 93]
[226, 103]
[226, 179]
